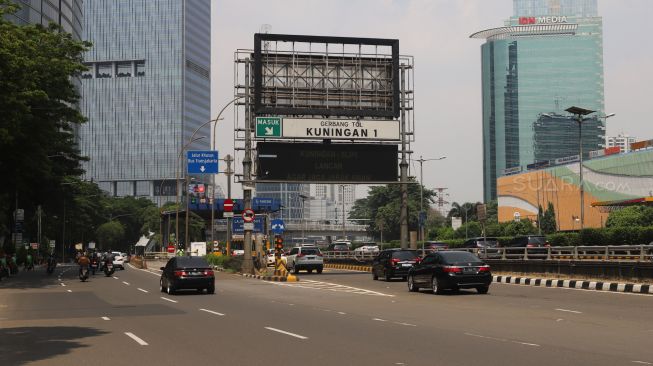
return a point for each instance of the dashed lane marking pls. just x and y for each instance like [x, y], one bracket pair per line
[140, 289]
[502, 340]
[166, 299]
[69, 290]
[126, 283]
[286, 333]
[115, 277]
[328, 286]
[63, 284]
[135, 338]
[105, 318]
[212, 312]
[570, 311]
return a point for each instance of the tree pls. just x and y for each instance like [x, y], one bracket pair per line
[110, 235]
[382, 207]
[633, 216]
[548, 220]
[37, 105]
[466, 211]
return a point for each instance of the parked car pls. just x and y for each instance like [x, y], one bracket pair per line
[183, 273]
[394, 263]
[450, 270]
[338, 247]
[270, 258]
[305, 258]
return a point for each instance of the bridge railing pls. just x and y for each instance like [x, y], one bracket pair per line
[641, 253]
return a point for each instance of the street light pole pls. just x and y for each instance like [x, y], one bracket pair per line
[580, 113]
[421, 161]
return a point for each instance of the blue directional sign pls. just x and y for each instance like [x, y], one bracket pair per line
[237, 226]
[277, 226]
[202, 162]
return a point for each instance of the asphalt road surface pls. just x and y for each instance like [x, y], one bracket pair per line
[336, 318]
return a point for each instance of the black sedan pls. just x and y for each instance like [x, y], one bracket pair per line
[183, 273]
[450, 270]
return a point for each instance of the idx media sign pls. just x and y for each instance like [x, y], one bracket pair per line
[315, 162]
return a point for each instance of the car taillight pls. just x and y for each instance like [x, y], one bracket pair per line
[484, 268]
[418, 260]
[179, 273]
[208, 273]
[394, 261]
[530, 245]
[452, 269]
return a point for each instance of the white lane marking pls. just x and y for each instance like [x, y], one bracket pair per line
[134, 337]
[642, 362]
[69, 290]
[286, 333]
[105, 318]
[147, 270]
[115, 277]
[140, 289]
[570, 311]
[166, 299]
[212, 312]
[63, 284]
[126, 283]
[406, 324]
[502, 340]
[328, 286]
[341, 313]
[379, 320]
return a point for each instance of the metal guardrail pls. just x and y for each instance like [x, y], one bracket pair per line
[641, 253]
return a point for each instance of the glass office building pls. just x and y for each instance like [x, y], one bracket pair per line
[67, 13]
[290, 196]
[546, 58]
[146, 90]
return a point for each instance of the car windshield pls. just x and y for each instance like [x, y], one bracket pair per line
[404, 255]
[186, 262]
[489, 242]
[340, 247]
[459, 257]
[310, 251]
[536, 240]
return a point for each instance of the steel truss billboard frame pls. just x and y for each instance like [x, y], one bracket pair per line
[325, 82]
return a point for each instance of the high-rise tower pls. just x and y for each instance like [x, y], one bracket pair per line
[546, 58]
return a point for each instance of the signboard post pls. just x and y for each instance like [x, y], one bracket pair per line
[202, 162]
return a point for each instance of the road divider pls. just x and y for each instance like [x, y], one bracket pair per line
[273, 278]
[576, 284]
[348, 267]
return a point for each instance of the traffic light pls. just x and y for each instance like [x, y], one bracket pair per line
[278, 243]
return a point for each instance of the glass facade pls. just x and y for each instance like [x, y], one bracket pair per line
[535, 70]
[67, 13]
[289, 196]
[147, 90]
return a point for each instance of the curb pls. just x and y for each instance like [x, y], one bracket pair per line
[271, 278]
[349, 267]
[576, 284]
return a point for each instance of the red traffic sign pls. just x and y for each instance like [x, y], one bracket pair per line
[248, 215]
[171, 248]
[228, 205]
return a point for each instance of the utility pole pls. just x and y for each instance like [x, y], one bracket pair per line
[580, 113]
[344, 232]
[421, 161]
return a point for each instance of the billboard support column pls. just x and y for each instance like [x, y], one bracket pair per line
[403, 166]
[247, 266]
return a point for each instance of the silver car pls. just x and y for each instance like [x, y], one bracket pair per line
[306, 258]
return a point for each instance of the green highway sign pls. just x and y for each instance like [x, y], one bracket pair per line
[267, 127]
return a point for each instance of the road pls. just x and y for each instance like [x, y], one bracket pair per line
[336, 318]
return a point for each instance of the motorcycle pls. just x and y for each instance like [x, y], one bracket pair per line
[108, 269]
[94, 266]
[83, 274]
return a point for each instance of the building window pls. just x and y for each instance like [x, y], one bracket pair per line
[140, 68]
[104, 71]
[88, 73]
[124, 69]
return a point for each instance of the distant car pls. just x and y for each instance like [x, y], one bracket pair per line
[435, 245]
[483, 245]
[367, 249]
[187, 273]
[118, 261]
[450, 270]
[393, 263]
[238, 252]
[305, 258]
[270, 257]
[338, 247]
[536, 244]
[126, 257]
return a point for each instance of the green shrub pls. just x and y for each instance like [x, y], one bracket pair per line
[593, 237]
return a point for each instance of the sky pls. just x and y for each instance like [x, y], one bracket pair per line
[448, 110]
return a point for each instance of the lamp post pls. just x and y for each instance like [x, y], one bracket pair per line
[303, 197]
[421, 161]
[580, 113]
[342, 198]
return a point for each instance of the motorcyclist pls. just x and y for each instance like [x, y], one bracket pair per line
[29, 262]
[83, 262]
